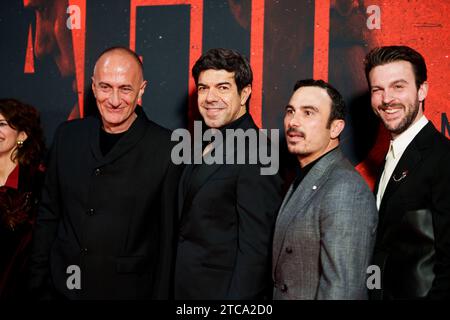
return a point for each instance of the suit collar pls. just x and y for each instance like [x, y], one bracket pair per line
[399, 145]
[134, 134]
[203, 172]
[296, 200]
[316, 174]
[241, 122]
[411, 157]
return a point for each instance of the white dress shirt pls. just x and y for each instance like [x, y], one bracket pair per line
[396, 150]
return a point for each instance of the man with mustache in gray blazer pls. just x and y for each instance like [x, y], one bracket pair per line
[325, 230]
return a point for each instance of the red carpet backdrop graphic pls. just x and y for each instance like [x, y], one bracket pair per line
[49, 48]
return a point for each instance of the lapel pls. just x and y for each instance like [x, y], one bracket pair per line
[408, 162]
[377, 183]
[296, 201]
[201, 173]
[183, 176]
[134, 134]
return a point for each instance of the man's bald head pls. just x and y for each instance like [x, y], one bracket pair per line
[124, 51]
[118, 86]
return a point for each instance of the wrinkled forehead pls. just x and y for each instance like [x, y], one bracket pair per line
[118, 61]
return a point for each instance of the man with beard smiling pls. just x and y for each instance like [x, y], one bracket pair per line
[325, 230]
[413, 192]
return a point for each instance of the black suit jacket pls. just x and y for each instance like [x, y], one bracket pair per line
[413, 241]
[227, 216]
[110, 215]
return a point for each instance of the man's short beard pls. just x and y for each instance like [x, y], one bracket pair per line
[407, 120]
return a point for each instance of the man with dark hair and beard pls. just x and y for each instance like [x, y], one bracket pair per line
[413, 192]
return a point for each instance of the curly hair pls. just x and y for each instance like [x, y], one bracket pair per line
[23, 117]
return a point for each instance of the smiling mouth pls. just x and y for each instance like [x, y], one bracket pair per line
[391, 108]
[114, 109]
[391, 113]
[213, 111]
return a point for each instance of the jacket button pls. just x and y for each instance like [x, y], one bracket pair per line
[84, 251]
[283, 288]
[181, 239]
[288, 250]
[98, 171]
[90, 211]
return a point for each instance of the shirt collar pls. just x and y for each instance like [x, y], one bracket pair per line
[401, 142]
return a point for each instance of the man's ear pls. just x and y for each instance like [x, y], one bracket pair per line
[337, 126]
[93, 85]
[423, 91]
[245, 93]
[142, 89]
[141, 92]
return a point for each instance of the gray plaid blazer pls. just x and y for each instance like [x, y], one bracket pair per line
[324, 234]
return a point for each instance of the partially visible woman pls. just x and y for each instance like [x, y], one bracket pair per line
[21, 176]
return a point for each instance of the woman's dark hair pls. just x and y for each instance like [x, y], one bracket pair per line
[23, 117]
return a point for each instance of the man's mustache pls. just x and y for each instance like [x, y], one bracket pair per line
[391, 105]
[295, 130]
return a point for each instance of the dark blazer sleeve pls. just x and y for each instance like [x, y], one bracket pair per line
[258, 200]
[167, 235]
[440, 197]
[45, 228]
